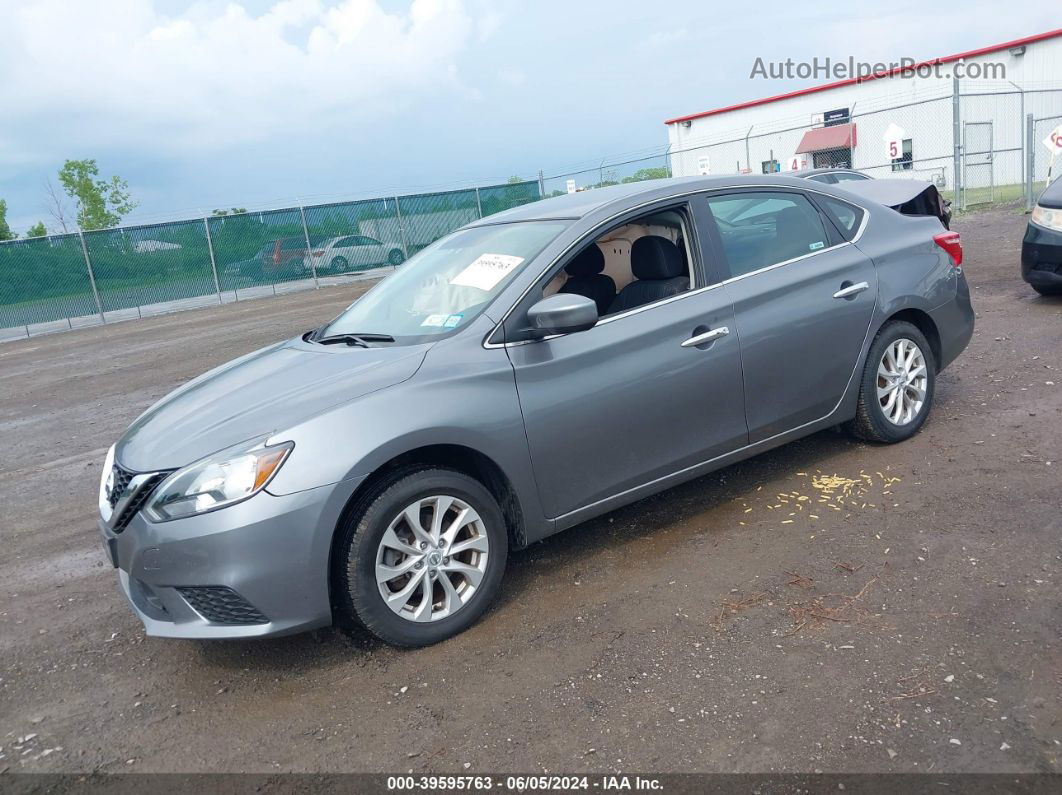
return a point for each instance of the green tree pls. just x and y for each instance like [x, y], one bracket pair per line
[5, 230]
[101, 203]
[37, 230]
[514, 179]
[234, 211]
[647, 173]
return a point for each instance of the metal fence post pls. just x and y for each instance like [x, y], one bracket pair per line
[92, 276]
[213, 263]
[402, 229]
[956, 133]
[1030, 161]
[479, 204]
[541, 185]
[309, 254]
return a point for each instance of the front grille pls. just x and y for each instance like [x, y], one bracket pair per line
[120, 478]
[221, 605]
[137, 501]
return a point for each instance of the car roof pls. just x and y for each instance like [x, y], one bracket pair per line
[573, 206]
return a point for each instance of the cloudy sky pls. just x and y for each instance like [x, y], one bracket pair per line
[262, 103]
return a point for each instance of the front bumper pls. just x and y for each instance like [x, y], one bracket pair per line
[270, 553]
[1041, 256]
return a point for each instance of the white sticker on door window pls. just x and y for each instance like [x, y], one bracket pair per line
[486, 271]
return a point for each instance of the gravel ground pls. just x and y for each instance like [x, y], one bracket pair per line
[904, 617]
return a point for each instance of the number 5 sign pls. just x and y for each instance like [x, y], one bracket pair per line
[893, 137]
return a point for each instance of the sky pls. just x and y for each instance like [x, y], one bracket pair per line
[268, 103]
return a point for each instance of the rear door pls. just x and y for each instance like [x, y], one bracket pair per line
[803, 298]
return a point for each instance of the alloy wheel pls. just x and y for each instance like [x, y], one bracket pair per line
[432, 558]
[902, 380]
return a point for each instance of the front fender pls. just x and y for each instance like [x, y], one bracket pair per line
[464, 395]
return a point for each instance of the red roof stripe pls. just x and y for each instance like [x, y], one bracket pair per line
[853, 80]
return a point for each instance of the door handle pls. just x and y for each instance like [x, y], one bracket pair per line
[850, 290]
[706, 337]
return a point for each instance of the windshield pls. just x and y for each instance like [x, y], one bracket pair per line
[445, 286]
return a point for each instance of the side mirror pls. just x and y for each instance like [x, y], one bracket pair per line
[563, 313]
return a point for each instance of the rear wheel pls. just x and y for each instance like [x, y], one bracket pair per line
[396, 257]
[338, 264]
[896, 391]
[423, 560]
[1047, 289]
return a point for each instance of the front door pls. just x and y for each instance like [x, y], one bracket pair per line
[655, 387]
[624, 403]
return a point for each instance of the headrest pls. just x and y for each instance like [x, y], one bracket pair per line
[587, 262]
[655, 257]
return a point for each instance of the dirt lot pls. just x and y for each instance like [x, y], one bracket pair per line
[913, 625]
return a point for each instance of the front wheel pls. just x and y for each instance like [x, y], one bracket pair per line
[896, 391]
[423, 560]
[339, 265]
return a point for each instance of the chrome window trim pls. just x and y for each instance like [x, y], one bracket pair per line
[662, 302]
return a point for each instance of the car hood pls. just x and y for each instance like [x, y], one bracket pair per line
[257, 395]
[1052, 196]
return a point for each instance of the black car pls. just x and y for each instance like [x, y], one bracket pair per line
[1041, 250]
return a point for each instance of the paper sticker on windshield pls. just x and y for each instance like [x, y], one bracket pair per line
[438, 321]
[486, 271]
[816, 246]
[453, 321]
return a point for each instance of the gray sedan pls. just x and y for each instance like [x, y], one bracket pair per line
[532, 370]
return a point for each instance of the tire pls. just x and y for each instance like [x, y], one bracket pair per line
[338, 264]
[1047, 289]
[362, 550]
[396, 257]
[872, 422]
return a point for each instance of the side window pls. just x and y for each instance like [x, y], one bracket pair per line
[762, 228]
[846, 216]
[644, 260]
[849, 176]
[827, 178]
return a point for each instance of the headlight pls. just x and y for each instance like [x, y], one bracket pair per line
[218, 480]
[1046, 216]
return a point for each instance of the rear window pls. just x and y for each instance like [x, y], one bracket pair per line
[845, 215]
[760, 228]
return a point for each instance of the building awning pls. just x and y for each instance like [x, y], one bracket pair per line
[839, 136]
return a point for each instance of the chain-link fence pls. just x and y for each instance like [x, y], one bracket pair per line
[66, 281]
[970, 139]
[1041, 167]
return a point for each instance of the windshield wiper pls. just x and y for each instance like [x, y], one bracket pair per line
[361, 340]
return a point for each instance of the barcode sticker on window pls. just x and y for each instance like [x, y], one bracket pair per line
[486, 271]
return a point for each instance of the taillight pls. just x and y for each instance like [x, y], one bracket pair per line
[950, 242]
